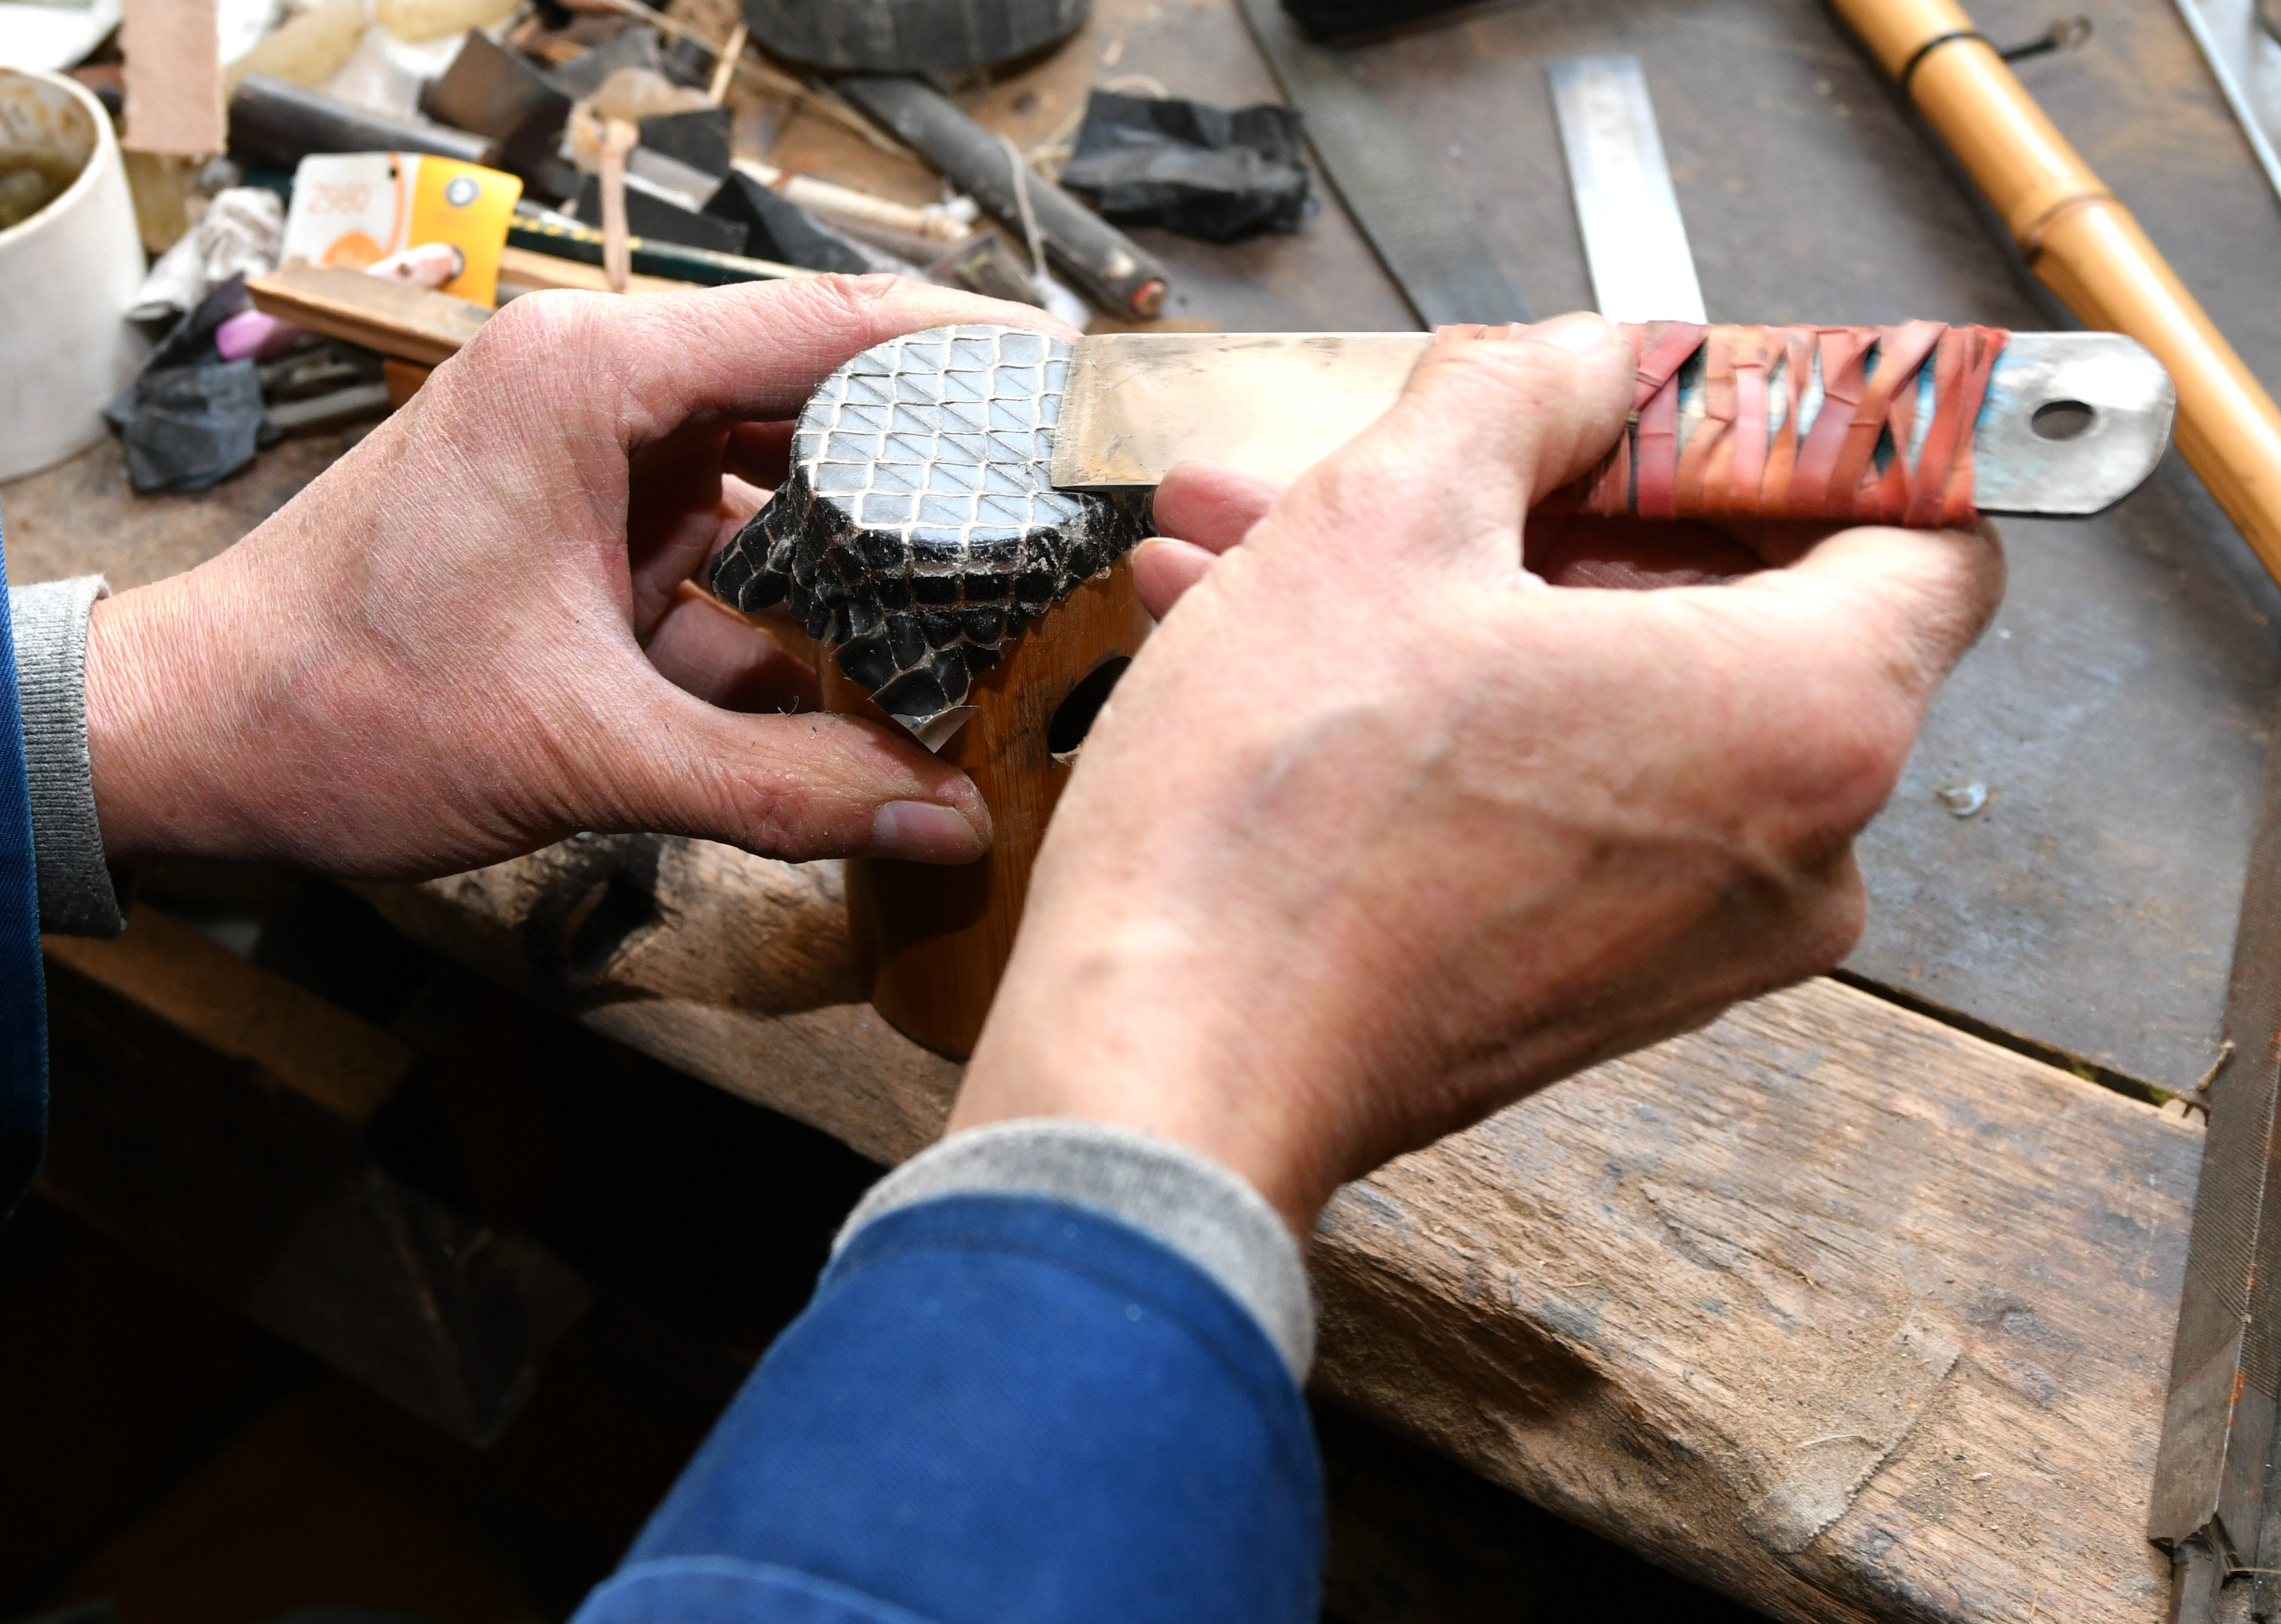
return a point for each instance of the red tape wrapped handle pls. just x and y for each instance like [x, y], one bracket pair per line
[1735, 463]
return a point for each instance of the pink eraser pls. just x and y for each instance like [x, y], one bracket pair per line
[250, 334]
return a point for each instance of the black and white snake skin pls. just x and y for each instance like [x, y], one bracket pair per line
[917, 532]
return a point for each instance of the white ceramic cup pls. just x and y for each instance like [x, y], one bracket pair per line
[66, 277]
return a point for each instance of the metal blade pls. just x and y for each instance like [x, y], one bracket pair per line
[1633, 239]
[1270, 404]
[2245, 58]
[1273, 405]
[2211, 1489]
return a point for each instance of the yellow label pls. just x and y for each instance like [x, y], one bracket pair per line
[354, 208]
[468, 207]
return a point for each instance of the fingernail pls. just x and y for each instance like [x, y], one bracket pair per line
[1581, 334]
[924, 832]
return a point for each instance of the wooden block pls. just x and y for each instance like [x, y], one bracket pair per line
[413, 324]
[403, 378]
[259, 1020]
[942, 935]
[172, 74]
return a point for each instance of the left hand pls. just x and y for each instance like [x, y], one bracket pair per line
[475, 635]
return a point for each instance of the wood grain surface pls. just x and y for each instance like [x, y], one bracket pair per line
[940, 936]
[395, 318]
[1831, 1307]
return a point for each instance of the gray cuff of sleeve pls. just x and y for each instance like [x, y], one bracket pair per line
[1203, 1210]
[77, 896]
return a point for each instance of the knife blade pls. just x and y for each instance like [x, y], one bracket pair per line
[1273, 405]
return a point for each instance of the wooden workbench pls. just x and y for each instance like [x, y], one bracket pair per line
[1836, 1306]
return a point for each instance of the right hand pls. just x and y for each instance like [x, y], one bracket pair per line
[1382, 831]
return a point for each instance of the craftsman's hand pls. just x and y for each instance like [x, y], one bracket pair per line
[1382, 831]
[474, 635]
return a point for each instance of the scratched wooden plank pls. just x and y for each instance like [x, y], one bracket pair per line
[1654, 1298]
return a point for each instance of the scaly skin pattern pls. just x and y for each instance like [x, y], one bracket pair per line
[918, 532]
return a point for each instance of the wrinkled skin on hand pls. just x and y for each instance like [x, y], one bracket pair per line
[1405, 812]
[475, 634]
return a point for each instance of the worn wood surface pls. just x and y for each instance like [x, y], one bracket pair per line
[395, 318]
[1667, 1299]
[208, 1113]
[736, 970]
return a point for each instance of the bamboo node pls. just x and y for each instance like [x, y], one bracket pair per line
[2030, 236]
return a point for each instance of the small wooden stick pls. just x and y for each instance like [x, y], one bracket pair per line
[724, 66]
[619, 137]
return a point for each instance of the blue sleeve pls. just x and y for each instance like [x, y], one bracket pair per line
[997, 1410]
[23, 989]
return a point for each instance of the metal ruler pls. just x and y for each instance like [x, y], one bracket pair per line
[1635, 241]
[2245, 60]
[1404, 209]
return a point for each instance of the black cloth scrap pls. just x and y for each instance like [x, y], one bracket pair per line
[1191, 167]
[189, 428]
[779, 229]
[191, 420]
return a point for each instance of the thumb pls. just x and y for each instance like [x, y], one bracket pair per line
[796, 787]
[1485, 425]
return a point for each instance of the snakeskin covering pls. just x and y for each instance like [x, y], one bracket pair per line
[917, 532]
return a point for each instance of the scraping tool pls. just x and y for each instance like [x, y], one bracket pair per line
[2070, 424]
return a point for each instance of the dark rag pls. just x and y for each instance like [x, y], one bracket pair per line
[1189, 167]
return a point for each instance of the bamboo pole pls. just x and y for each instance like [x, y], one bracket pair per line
[2086, 248]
